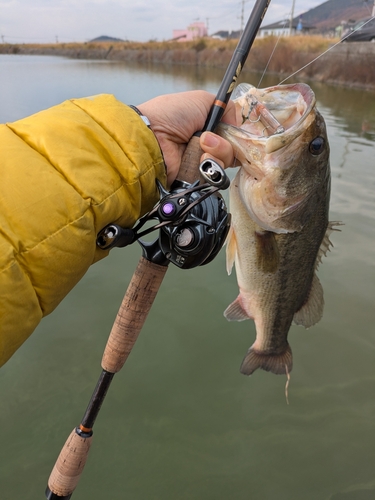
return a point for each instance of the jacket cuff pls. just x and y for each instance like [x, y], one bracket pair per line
[147, 122]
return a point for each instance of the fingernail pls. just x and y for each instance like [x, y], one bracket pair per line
[210, 140]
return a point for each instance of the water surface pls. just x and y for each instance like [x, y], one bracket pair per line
[179, 421]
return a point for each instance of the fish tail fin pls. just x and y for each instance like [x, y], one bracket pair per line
[278, 363]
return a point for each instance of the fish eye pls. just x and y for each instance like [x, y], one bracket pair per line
[316, 146]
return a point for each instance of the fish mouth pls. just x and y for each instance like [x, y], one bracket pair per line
[272, 117]
[268, 145]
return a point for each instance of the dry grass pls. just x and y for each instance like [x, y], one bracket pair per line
[302, 43]
[289, 56]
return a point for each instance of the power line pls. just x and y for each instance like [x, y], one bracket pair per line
[34, 38]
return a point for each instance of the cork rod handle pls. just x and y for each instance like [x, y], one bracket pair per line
[190, 161]
[69, 466]
[132, 314]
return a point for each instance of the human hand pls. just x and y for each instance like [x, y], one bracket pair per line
[175, 118]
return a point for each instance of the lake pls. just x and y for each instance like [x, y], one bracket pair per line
[179, 421]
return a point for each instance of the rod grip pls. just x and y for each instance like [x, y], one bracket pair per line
[190, 161]
[132, 313]
[69, 465]
[143, 286]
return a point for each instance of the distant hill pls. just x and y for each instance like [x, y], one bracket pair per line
[332, 13]
[105, 38]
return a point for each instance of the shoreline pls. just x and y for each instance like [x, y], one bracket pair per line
[347, 64]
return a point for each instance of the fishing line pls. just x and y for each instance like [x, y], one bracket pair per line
[287, 384]
[272, 53]
[325, 52]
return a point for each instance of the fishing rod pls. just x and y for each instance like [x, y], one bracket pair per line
[153, 264]
[193, 152]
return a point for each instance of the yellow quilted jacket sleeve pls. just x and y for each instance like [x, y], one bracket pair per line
[65, 173]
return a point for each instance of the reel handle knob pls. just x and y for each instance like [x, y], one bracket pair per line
[214, 174]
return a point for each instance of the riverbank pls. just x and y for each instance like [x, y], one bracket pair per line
[347, 64]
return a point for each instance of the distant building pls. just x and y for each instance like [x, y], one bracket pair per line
[226, 35]
[193, 31]
[282, 28]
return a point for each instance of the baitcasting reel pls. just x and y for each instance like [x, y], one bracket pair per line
[193, 222]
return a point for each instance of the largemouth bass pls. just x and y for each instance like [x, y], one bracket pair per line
[279, 202]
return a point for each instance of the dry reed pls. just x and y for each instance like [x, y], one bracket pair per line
[341, 65]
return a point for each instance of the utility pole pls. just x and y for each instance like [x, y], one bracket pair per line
[242, 15]
[291, 18]
[367, 2]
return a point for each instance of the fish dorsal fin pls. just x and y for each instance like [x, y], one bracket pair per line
[326, 245]
[235, 311]
[312, 311]
[231, 250]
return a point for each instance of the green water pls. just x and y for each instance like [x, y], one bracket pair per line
[179, 421]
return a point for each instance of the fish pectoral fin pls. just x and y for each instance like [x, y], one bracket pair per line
[235, 311]
[231, 250]
[312, 311]
[267, 251]
[278, 363]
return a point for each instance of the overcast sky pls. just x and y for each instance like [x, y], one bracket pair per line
[41, 21]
